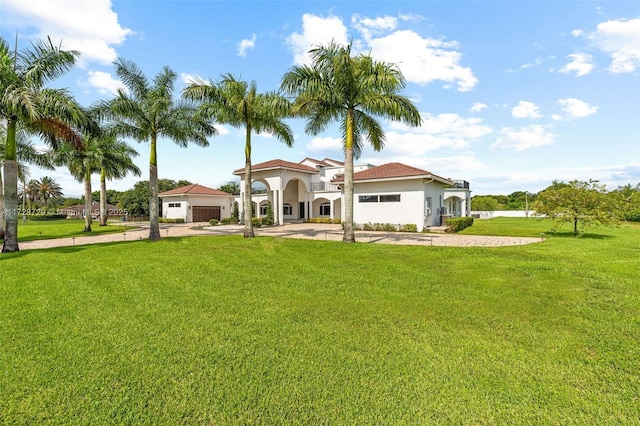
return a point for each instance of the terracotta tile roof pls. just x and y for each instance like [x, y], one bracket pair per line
[331, 161]
[274, 164]
[389, 171]
[193, 189]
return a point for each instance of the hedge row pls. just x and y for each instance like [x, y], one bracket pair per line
[321, 220]
[170, 220]
[387, 227]
[457, 224]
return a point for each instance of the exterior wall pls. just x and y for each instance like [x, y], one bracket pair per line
[175, 212]
[409, 210]
[188, 201]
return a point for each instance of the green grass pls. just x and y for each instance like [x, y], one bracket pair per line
[528, 227]
[49, 229]
[226, 330]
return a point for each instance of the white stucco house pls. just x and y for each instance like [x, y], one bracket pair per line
[196, 203]
[391, 193]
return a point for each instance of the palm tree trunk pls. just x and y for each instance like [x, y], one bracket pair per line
[10, 191]
[248, 225]
[349, 234]
[103, 198]
[154, 229]
[1, 208]
[87, 201]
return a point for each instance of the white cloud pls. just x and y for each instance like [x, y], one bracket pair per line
[369, 27]
[524, 138]
[442, 131]
[577, 33]
[581, 63]
[423, 60]
[316, 30]
[526, 109]
[320, 144]
[191, 78]
[103, 82]
[477, 107]
[245, 45]
[621, 40]
[88, 26]
[575, 108]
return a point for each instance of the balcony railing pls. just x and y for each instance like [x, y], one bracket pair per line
[324, 186]
[462, 184]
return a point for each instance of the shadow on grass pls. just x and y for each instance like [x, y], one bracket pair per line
[588, 236]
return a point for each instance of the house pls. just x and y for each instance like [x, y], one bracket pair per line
[77, 211]
[391, 193]
[196, 203]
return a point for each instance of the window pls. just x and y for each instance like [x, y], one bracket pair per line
[368, 198]
[395, 198]
[288, 210]
[325, 209]
[263, 209]
[174, 204]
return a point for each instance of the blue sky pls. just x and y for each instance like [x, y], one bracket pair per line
[513, 94]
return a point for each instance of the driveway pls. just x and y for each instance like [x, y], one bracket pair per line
[326, 232]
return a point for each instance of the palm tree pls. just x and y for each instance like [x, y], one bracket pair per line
[146, 111]
[26, 152]
[115, 162]
[46, 112]
[238, 103]
[353, 91]
[48, 188]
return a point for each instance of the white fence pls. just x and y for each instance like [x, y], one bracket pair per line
[502, 213]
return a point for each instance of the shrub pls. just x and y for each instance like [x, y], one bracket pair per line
[256, 222]
[457, 224]
[322, 220]
[267, 220]
[48, 216]
[170, 220]
[213, 222]
[229, 221]
[409, 227]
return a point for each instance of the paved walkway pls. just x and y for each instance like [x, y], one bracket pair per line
[328, 232]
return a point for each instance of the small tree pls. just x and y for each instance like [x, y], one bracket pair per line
[577, 202]
[235, 213]
[268, 218]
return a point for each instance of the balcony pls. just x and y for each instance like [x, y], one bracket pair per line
[323, 186]
[460, 184]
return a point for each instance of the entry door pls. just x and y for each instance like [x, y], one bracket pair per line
[301, 215]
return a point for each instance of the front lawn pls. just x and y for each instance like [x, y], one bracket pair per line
[227, 330]
[63, 228]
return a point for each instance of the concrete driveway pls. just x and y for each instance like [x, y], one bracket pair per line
[326, 232]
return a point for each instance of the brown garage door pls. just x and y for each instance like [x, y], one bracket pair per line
[205, 213]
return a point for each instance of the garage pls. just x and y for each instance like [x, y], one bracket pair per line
[205, 213]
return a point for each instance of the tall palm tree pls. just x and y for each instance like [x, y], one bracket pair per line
[353, 91]
[26, 153]
[148, 110]
[115, 163]
[46, 112]
[238, 103]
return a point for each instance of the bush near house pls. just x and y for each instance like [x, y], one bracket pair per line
[322, 220]
[229, 221]
[256, 222]
[170, 220]
[213, 222]
[387, 227]
[457, 224]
